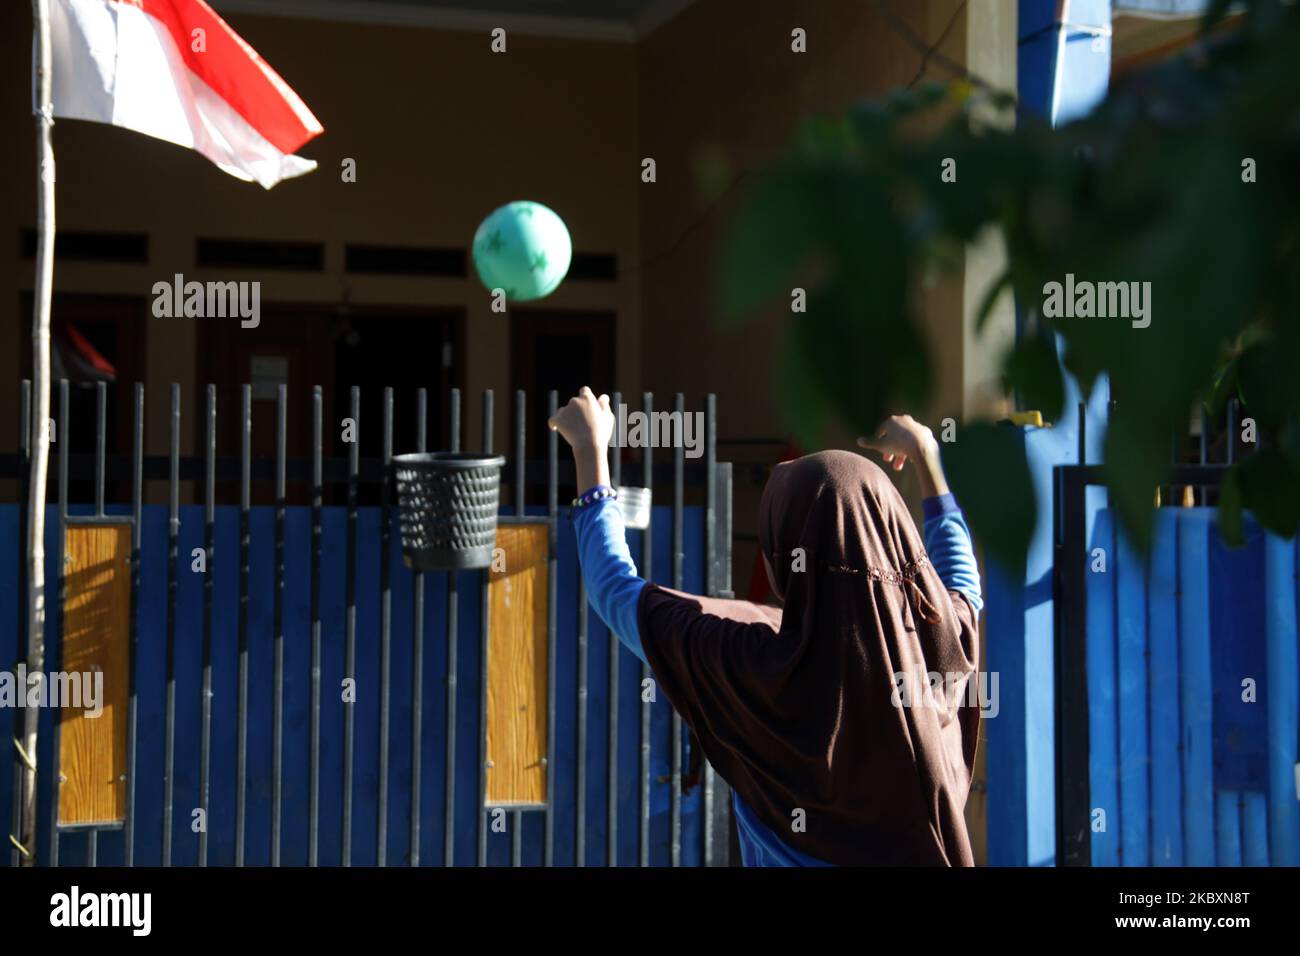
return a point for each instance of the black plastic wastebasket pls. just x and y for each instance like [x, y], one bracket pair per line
[447, 508]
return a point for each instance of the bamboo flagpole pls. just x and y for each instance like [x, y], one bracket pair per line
[127, 70]
[43, 108]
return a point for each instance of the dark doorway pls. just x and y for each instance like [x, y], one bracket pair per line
[93, 338]
[562, 351]
[407, 351]
[307, 345]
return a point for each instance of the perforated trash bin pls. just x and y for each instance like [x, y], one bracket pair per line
[447, 508]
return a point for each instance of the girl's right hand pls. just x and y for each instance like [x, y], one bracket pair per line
[586, 422]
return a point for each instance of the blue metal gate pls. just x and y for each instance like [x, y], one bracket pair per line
[298, 597]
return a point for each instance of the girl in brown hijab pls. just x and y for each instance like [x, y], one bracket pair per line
[845, 721]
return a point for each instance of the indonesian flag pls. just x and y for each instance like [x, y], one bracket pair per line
[174, 70]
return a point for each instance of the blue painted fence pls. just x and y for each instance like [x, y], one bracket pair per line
[1194, 696]
[152, 618]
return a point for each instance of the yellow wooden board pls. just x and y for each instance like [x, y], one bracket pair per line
[96, 635]
[518, 592]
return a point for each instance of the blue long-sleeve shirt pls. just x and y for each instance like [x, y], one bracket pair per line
[614, 590]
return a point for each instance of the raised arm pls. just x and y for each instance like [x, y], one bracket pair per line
[613, 587]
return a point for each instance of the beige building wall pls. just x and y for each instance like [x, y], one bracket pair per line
[442, 131]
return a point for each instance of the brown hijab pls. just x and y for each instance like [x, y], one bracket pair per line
[801, 709]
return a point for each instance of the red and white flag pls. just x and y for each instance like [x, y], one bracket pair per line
[173, 69]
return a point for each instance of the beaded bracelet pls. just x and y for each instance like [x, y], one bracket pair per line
[592, 495]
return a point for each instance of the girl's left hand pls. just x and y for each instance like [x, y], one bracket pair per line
[902, 437]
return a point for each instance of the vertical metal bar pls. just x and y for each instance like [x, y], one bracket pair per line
[679, 493]
[1232, 431]
[647, 569]
[277, 673]
[449, 810]
[417, 652]
[486, 604]
[245, 577]
[1073, 783]
[453, 421]
[55, 660]
[209, 595]
[350, 621]
[553, 517]
[453, 646]
[449, 822]
[580, 837]
[521, 479]
[385, 625]
[24, 451]
[710, 584]
[101, 443]
[521, 446]
[385, 631]
[611, 785]
[101, 446]
[1205, 451]
[313, 758]
[173, 532]
[723, 824]
[1083, 433]
[133, 667]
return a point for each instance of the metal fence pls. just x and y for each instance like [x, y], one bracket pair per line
[324, 794]
[1150, 656]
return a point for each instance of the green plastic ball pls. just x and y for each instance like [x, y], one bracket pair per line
[524, 248]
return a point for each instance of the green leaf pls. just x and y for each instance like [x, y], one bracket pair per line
[771, 237]
[988, 472]
[1034, 370]
[1136, 461]
[1229, 516]
[990, 299]
[1270, 488]
[1268, 383]
[803, 404]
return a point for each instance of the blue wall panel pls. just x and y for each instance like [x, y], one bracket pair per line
[1177, 756]
[1103, 707]
[1237, 649]
[1133, 693]
[1282, 696]
[1195, 674]
[1227, 805]
[1165, 731]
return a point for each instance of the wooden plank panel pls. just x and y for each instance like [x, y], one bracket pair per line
[517, 672]
[96, 633]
